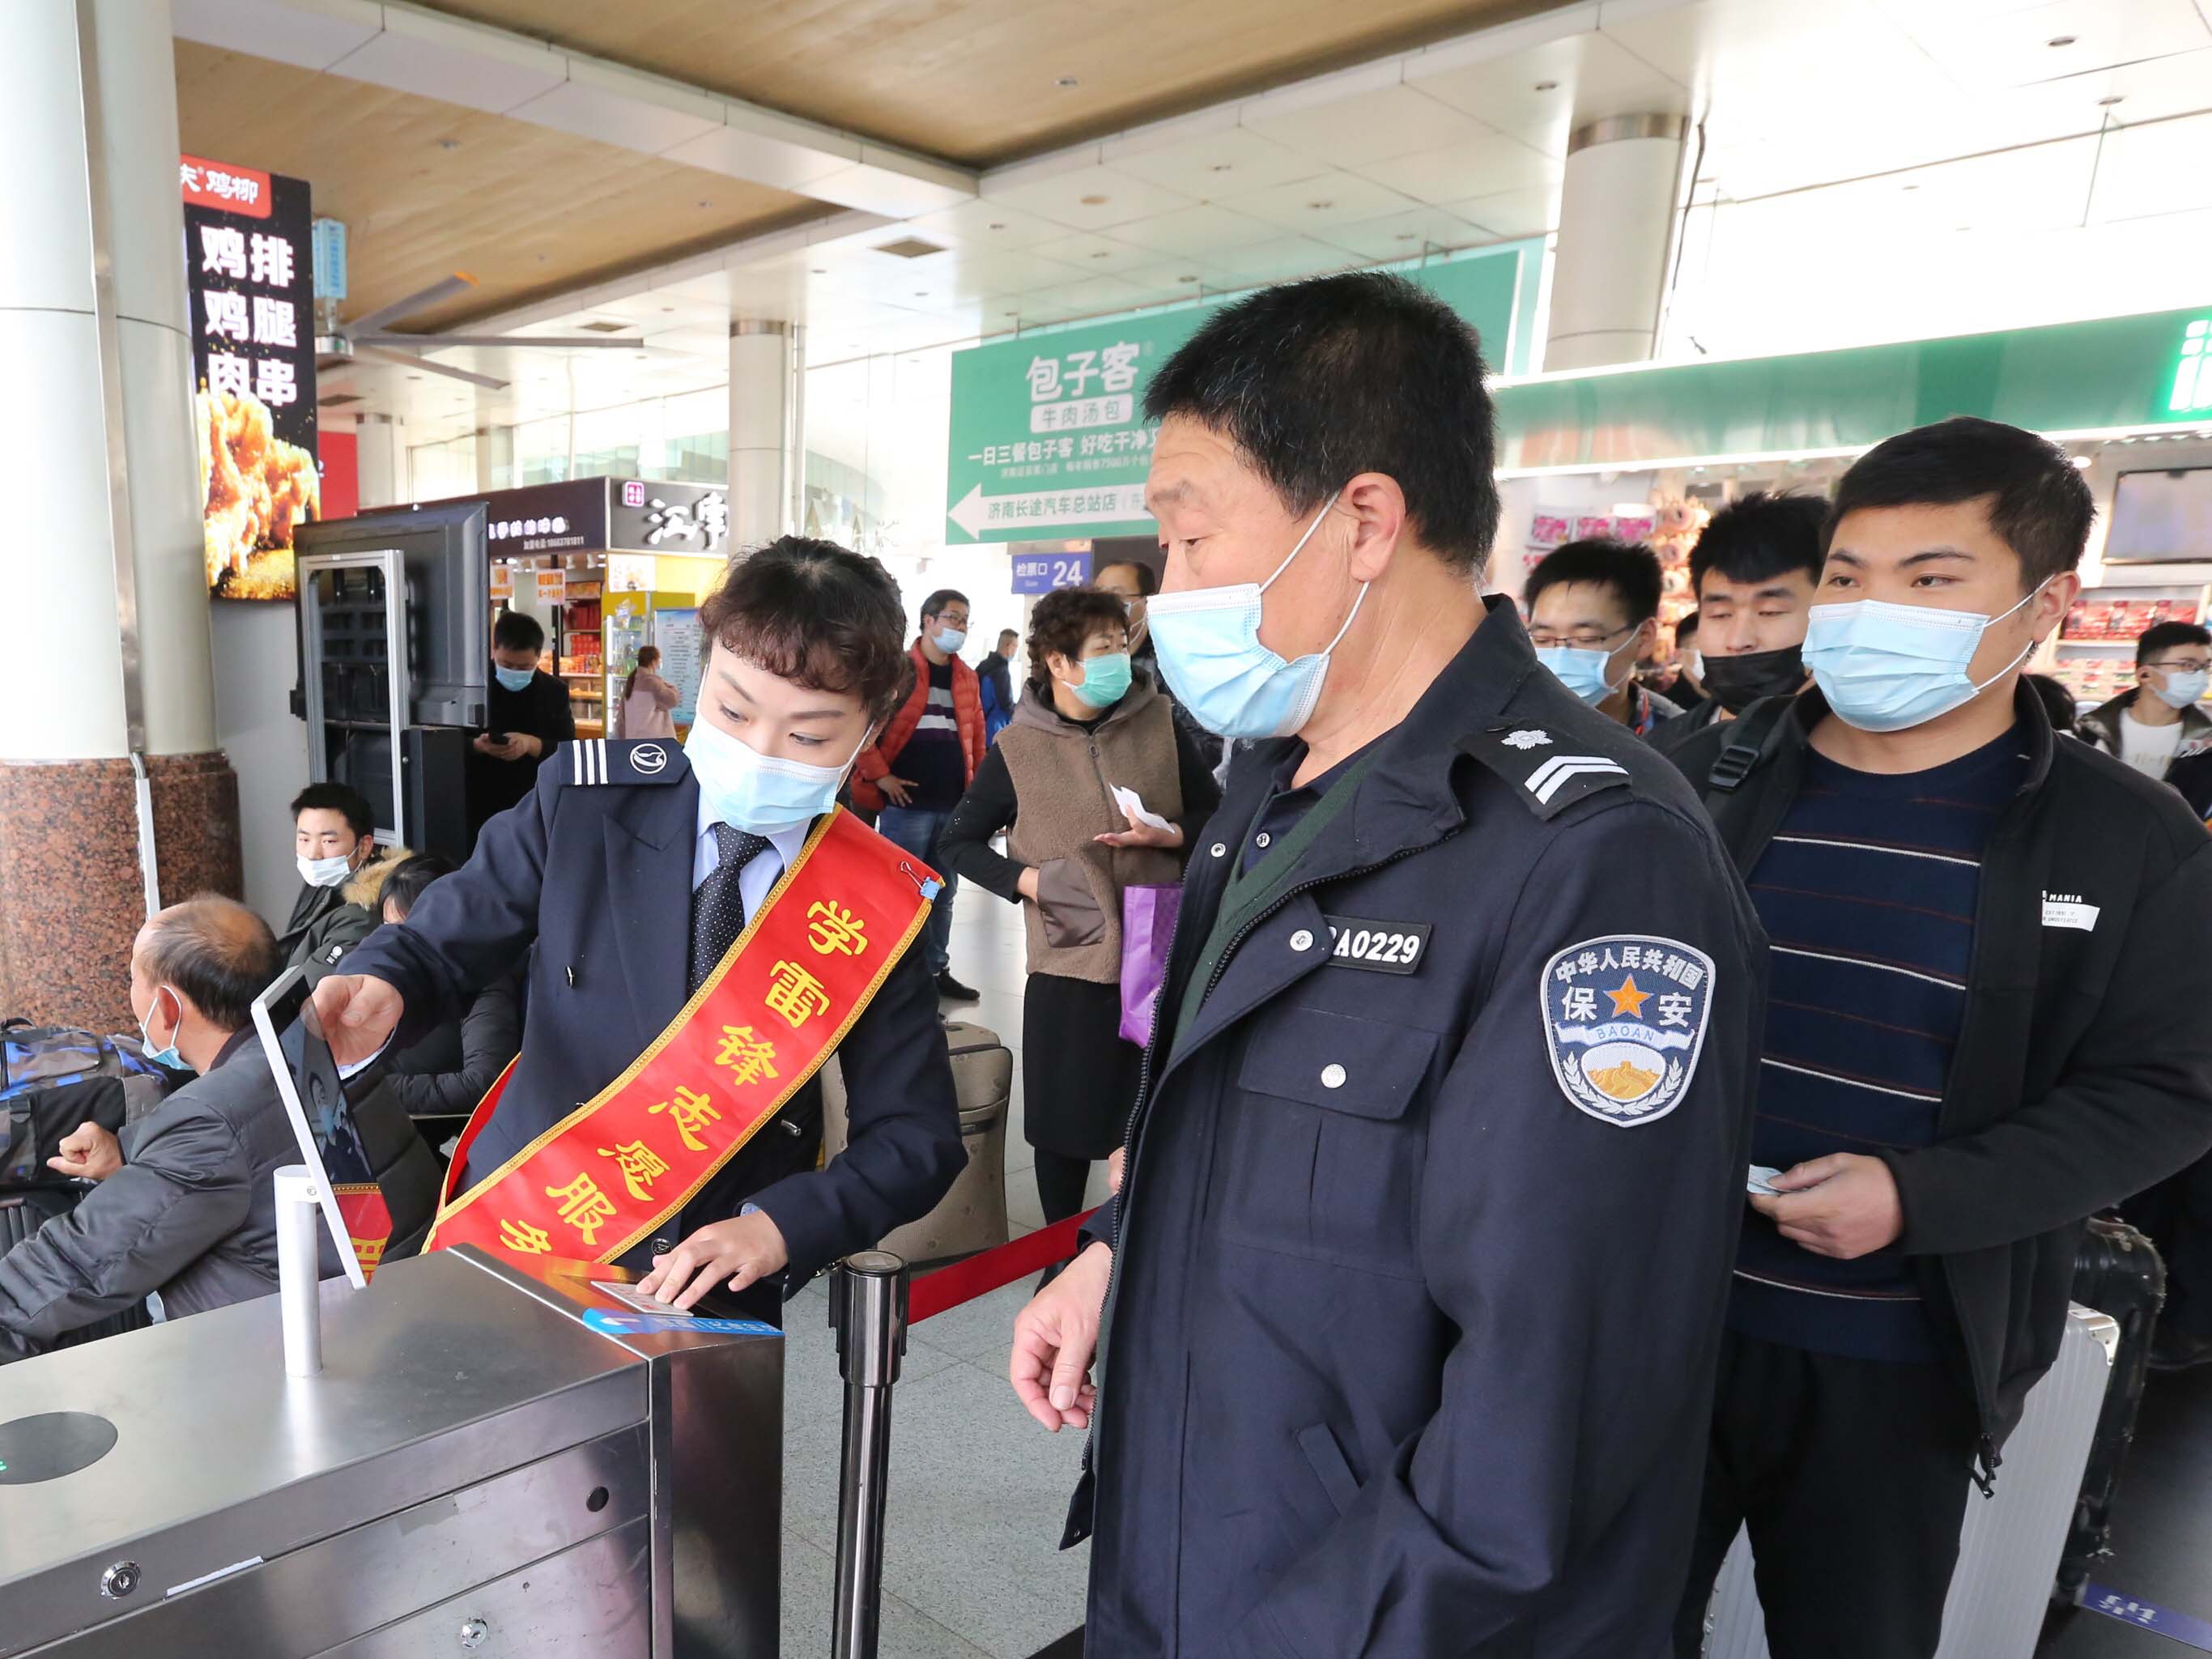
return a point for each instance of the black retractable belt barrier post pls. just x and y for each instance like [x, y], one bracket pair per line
[867, 1309]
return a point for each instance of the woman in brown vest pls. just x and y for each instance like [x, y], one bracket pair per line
[1086, 727]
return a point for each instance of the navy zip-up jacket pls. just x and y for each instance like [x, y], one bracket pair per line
[1425, 1241]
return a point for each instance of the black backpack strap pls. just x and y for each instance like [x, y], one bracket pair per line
[1750, 736]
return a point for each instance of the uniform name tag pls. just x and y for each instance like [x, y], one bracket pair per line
[1380, 947]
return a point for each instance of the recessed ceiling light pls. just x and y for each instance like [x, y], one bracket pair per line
[2116, 98]
[1548, 86]
[449, 144]
[821, 271]
[1094, 201]
[1067, 84]
[1912, 186]
[1222, 166]
[922, 294]
[1104, 253]
[2060, 41]
[1319, 206]
[996, 224]
[706, 205]
[1409, 235]
[1013, 314]
[1186, 279]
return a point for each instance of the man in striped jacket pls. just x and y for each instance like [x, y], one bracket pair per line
[1986, 955]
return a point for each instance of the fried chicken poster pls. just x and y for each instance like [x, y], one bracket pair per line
[248, 261]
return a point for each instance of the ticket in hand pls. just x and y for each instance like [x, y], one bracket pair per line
[630, 1297]
[1758, 1179]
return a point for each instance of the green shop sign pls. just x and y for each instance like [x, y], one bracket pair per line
[1049, 434]
[2114, 372]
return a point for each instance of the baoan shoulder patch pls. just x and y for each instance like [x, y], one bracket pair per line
[1548, 774]
[627, 760]
[1624, 1021]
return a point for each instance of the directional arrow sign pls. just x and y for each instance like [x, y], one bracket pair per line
[1047, 511]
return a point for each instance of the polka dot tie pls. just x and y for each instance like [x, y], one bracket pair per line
[718, 909]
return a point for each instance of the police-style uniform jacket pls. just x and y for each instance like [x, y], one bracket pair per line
[1425, 1237]
[2083, 1070]
[598, 875]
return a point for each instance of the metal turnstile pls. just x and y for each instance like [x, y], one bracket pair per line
[491, 1463]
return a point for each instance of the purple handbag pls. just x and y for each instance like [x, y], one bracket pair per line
[1148, 918]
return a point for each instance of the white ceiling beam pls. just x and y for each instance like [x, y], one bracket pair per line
[413, 49]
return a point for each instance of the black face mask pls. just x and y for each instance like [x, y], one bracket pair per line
[1739, 681]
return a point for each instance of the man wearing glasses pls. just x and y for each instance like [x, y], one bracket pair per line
[1593, 615]
[2160, 727]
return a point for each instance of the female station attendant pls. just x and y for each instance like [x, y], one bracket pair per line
[1086, 727]
[709, 928]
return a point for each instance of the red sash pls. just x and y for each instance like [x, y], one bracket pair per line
[606, 1177]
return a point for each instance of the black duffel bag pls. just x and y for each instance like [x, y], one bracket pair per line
[53, 1078]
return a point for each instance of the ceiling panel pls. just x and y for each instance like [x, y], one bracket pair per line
[983, 224]
[978, 80]
[2165, 168]
[1406, 235]
[1087, 199]
[523, 209]
[1369, 125]
[2068, 37]
[1197, 231]
[1311, 204]
[1540, 95]
[1210, 166]
[1512, 213]
[1489, 164]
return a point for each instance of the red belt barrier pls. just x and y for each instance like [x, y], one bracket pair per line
[979, 1276]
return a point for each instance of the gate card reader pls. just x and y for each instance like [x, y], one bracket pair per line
[474, 1458]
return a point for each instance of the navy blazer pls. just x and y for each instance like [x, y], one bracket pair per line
[594, 868]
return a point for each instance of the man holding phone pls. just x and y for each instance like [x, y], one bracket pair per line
[526, 714]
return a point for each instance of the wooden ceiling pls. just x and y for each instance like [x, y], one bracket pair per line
[522, 208]
[974, 80]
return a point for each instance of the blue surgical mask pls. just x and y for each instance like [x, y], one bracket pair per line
[1886, 667]
[950, 640]
[2181, 689]
[168, 1056]
[514, 679]
[1208, 643]
[757, 792]
[1105, 680]
[323, 872]
[1582, 669]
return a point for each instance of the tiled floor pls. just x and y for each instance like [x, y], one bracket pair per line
[978, 1491]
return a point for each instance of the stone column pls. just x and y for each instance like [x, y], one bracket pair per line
[109, 665]
[1617, 207]
[382, 448]
[764, 470]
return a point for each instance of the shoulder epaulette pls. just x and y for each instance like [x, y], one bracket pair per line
[1548, 777]
[594, 761]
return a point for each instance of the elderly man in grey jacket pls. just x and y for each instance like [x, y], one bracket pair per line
[185, 1205]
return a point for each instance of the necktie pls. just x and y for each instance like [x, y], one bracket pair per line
[718, 910]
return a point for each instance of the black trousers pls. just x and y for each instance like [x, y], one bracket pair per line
[1852, 1475]
[1060, 1181]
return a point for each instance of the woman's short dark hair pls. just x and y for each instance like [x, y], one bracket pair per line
[214, 952]
[517, 630]
[1064, 621]
[1319, 381]
[647, 655]
[2039, 504]
[405, 885]
[814, 613]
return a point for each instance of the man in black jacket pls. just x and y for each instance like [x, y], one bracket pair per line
[527, 715]
[1987, 959]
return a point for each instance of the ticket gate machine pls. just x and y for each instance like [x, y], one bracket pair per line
[492, 1463]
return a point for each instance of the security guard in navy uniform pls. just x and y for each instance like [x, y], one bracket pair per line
[1411, 1297]
[631, 868]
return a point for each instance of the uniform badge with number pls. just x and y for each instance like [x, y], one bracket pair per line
[1381, 947]
[1623, 1020]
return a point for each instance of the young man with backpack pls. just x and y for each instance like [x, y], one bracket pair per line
[1987, 947]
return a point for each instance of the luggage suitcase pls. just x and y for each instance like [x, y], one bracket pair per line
[2009, 1547]
[972, 1217]
[2117, 1272]
[22, 1214]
